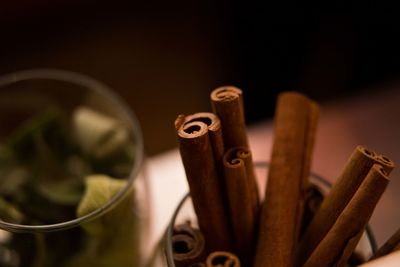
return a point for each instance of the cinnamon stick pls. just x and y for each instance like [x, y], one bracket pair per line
[245, 155]
[356, 169]
[199, 146]
[188, 245]
[243, 203]
[312, 122]
[387, 163]
[390, 245]
[291, 152]
[313, 200]
[222, 259]
[227, 103]
[349, 249]
[343, 235]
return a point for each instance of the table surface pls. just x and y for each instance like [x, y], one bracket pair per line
[370, 120]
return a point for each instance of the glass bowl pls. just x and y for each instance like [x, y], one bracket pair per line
[184, 213]
[72, 185]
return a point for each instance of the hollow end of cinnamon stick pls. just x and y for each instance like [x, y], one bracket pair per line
[209, 119]
[227, 104]
[366, 151]
[188, 245]
[222, 259]
[354, 173]
[242, 202]
[341, 239]
[225, 93]
[387, 163]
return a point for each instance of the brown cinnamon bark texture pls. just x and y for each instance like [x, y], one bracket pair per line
[222, 259]
[227, 103]
[356, 169]
[289, 167]
[197, 135]
[188, 245]
[245, 155]
[345, 233]
[313, 116]
[242, 202]
[389, 246]
[349, 248]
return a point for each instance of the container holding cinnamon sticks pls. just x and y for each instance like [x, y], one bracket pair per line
[184, 212]
[298, 223]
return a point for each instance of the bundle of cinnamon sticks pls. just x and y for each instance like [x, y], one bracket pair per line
[295, 225]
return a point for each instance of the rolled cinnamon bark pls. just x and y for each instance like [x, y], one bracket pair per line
[313, 200]
[356, 169]
[245, 155]
[313, 116]
[280, 212]
[222, 259]
[227, 103]
[188, 245]
[242, 202]
[349, 249]
[393, 243]
[387, 163]
[214, 130]
[197, 135]
[345, 233]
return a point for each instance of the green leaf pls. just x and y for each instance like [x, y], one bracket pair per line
[113, 238]
[9, 213]
[98, 134]
[99, 190]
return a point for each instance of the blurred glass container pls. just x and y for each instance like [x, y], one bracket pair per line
[184, 213]
[73, 190]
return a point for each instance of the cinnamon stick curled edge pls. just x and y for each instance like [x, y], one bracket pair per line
[200, 146]
[188, 245]
[355, 171]
[222, 259]
[341, 239]
[227, 104]
[243, 203]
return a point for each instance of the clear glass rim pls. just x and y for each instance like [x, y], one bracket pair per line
[168, 234]
[104, 90]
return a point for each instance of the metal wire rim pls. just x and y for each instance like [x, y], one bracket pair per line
[169, 232]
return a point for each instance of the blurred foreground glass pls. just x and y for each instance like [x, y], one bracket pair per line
[185, 213]
[72, 186]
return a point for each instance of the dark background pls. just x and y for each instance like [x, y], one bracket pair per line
[165, 58]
